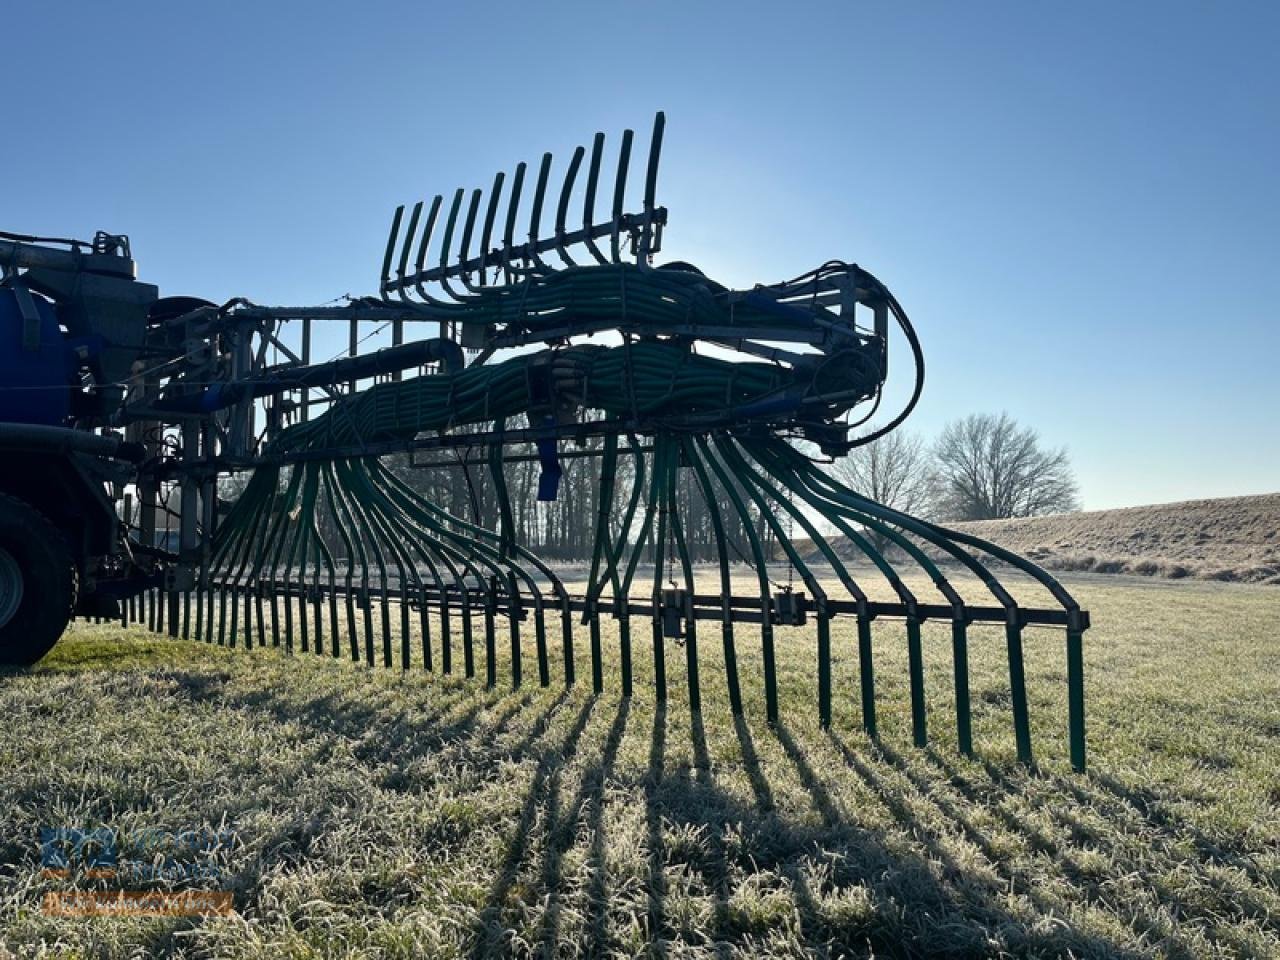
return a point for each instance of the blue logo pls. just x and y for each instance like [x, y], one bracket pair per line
[145, 854]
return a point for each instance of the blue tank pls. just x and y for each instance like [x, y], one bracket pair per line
[35, 378]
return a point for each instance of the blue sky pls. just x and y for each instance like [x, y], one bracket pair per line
[1077, 203]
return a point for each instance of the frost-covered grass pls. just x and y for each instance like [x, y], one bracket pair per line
[381, 815]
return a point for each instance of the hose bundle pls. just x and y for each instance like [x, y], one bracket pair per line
[328, 536]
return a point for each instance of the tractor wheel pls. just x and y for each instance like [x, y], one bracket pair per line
[37, 583]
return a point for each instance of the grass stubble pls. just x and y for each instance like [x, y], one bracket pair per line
[385, 814]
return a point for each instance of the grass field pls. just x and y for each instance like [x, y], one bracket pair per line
[376, 814]
[1235, 539]
[1230, 539]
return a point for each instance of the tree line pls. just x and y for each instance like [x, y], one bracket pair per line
[565, 528]
[978, 468]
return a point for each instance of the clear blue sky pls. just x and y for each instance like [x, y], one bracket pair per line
[1077, 203]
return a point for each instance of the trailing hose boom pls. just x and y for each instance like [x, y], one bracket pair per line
[533, 325]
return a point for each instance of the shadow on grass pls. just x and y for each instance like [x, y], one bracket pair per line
[847, 845]
[746, 837]
[1143, 842]
[938, 879]
[561, 833]
[922, 898]
[489, 935]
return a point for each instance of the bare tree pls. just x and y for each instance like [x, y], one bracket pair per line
[894, 471]
[990, 468]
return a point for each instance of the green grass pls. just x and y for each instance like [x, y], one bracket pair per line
[384, 815]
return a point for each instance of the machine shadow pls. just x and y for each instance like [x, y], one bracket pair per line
[723, 802]
[723, 814]
[897, 870]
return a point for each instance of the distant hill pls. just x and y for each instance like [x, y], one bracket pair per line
[1230, 539]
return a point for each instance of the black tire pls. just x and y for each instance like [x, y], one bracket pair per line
[48, 583]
